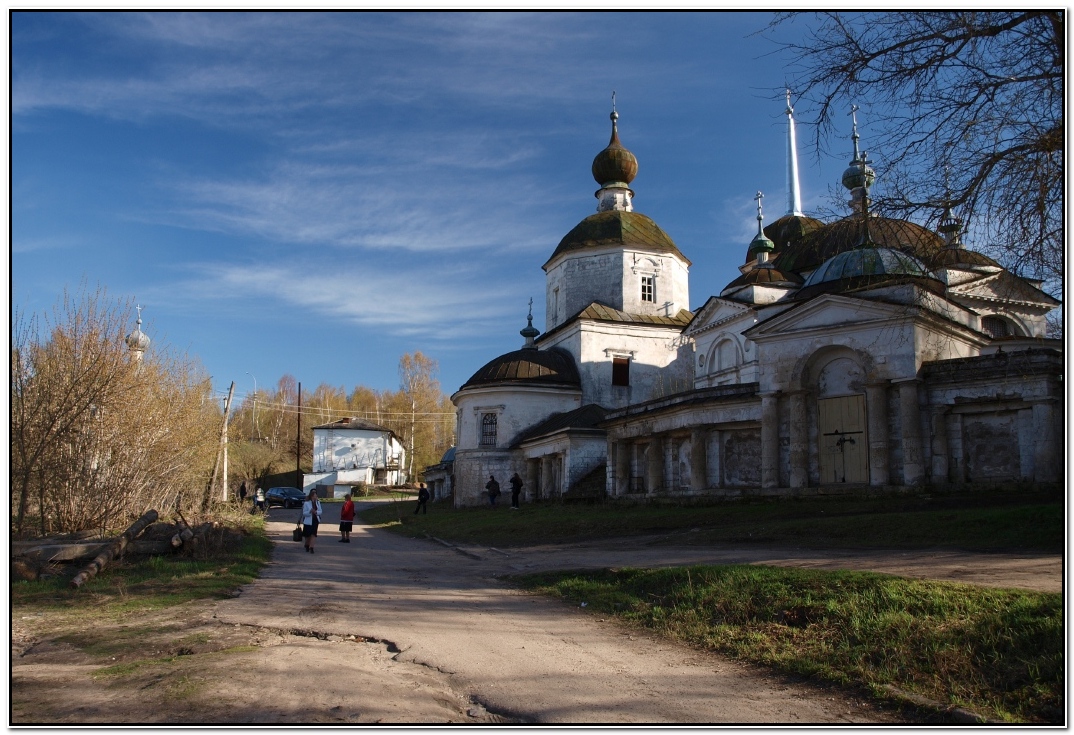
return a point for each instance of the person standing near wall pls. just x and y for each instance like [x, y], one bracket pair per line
[493, 489]
[516, 490]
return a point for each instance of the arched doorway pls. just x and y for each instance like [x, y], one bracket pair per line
[842, 429]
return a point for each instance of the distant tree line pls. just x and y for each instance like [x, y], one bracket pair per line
[262, 432]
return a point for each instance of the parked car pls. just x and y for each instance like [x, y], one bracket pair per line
[288, 497]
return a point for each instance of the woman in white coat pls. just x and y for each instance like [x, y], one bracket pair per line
[311, 518]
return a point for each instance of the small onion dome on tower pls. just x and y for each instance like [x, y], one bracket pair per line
[614, 168]
[553, 366]
[954, 254]
[859, 175]
[764, 273]
[137, 341]
[529, 331]
[760, 247]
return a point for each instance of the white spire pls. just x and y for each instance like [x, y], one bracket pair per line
[794, 192]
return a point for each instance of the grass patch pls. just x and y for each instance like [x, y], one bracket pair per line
[996, 652]
[149, 583]
[977, 522]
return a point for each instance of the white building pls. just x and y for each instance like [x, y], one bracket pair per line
[867, 353]
[352, 452]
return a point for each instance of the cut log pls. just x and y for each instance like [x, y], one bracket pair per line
[63, 552]
[114, 550]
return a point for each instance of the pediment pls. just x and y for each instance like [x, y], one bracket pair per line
[829, 311]
[718, 312]
[1004, 287]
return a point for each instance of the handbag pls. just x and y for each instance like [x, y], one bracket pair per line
[296, 534]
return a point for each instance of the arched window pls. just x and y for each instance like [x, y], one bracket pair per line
[488, 430]
[994, 327]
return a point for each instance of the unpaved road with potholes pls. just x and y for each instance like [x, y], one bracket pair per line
[389, 629]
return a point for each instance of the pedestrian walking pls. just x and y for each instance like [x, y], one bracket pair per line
[311, 518]
[493, 489]
[516, 490]
[259, 499]
[423, 498]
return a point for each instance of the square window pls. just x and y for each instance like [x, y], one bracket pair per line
[648, 290]
[620, 371]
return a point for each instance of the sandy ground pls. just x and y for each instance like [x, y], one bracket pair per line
[394, 630]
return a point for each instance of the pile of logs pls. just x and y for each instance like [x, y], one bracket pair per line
[145, 537]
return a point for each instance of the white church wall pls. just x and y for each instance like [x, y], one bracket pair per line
[576, 281]
[516, 407]
[659, 360]
[670, 281]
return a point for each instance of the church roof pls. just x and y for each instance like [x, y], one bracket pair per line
[600, 312]
[617, 228]
[842, 235]
[585, 417]
[554, 366]
[761, 276]
[789, 229]
[356, 425]
[949, 257]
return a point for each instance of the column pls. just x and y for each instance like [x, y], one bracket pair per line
[876, 411]
[940, 450]
[621, 481]
[656, 464]
[667, 468]
[798, 475]
[533, 466]
[1046, 460]
[770, 440]
[698, 460]
[913, 468]
[547, 491]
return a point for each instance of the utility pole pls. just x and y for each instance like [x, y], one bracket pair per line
[298, 443]
[221, 449]
[410, 473]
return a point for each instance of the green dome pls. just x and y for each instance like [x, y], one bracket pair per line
[843, 235]
[617, 228]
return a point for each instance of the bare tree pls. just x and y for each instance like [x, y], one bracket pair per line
[967, 107]
[97, 437]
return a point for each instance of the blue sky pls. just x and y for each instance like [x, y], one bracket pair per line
[318, 194]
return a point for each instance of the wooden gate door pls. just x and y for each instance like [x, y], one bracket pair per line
[844, 455]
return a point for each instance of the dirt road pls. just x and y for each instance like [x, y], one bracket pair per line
[389, 629]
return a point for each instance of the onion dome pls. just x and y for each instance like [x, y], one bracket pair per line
[866, 267]
[617, 229]
[615, 164]
[859, 175]
[137, 341]
[553, 366]
[614, 168]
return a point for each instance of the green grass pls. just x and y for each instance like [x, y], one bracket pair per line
[977, 522]
[995, 652]
[148, 584]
